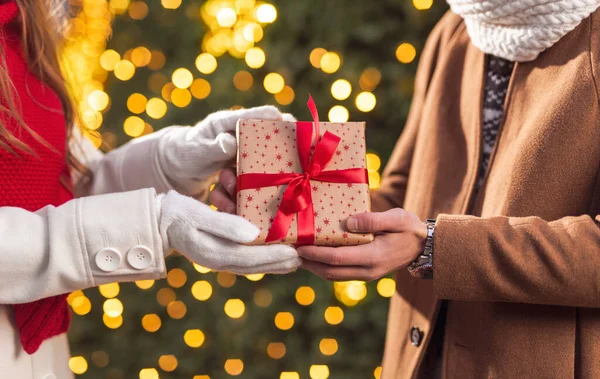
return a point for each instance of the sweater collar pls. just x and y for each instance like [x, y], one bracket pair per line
[8, 11]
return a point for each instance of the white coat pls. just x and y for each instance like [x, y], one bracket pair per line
[79, 245]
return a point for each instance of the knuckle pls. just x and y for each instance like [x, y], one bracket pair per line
[330, 274]
[337, 259]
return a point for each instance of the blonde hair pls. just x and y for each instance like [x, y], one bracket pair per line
[41, 23]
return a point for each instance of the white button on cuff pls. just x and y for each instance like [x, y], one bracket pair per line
[140, 257]
[108, 259]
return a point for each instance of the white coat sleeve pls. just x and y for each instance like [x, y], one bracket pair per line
[83, 243]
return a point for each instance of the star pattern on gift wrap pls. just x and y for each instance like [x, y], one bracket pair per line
[279, 149]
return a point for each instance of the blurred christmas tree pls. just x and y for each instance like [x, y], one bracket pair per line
[173, 62]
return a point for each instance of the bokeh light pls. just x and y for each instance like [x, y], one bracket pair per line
[182, 78]
[124, 70]
[202, 290]
[276, 350]
[341, 89]
[134, 126]
[78, 365]
[316, 55]
[113, 307]
[200, 88]
[242, 80]
[334, 315]
[284, 320]
[338, 113]
[206, 63]
[305, 295]
[422, 4]
[330, 62]
[406, 53]
[167, 363]
[235, 308]
[328, 346]
[255, 57]
[365, 101]
[266, 13]
[151, 322]
[136, 103]
[194, 338]
[286, 96]
[319, 372]
[386, 287]
[274, 83]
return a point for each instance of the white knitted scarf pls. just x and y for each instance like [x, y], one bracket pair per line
[519, 30]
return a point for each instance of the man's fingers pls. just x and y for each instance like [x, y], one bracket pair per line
[373, 222]
[228, 180]
[361, 255]
[221, 199]
[339, 273]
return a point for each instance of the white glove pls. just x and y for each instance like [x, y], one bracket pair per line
[213, 239]
[189, 155]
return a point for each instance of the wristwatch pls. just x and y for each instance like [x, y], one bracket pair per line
[422, 267]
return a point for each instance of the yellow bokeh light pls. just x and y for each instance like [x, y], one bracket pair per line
[144, 284]
[255, 277]
[176, 278]
[202, 290]
[319, 372]
[165, 296]
[284, 320]
[113, 307]
[167, 363]
[98, 100]
[157, 61]
[234, 308]
[226, 279]
[201, 269]
[170, 4]
[276, 350]
[81, 305]
[141, 56]
[112, 322]
[138, 10]
[377, 372]
[134, 126]
[305, 295]
[263, 297]
[78, 365]
[266, 13]
[373, 162]
[176, 310]
[109, 290]
[386, 287]
[151, 322]
[206, 63]
[274, 83]
[167, 90]
[422, 4]
[181, 97]
[351, 292]
[406, 52]
[286, 96]
[369, 79]
[341, 89]
[226, 17]
[156, 108]
[338, 113]
[255, 57]
[242, 80]
[201, 377]
[289, 375]
[330, 62]
[200, 89]
[365, 101]
[328, 346]
[74, 295]
[234, 367]
[149, 373]
[194, 338]
[136, 103]
[182, 78]
[252, 32]
[316, 55]
[91, 119]
[119, 6]
[124, 70]
[334, 315]
[374, 180]
[109, 59]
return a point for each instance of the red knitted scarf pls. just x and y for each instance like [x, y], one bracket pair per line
[31, 182]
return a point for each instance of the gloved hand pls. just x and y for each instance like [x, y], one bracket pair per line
[189, 155]
[213, 239]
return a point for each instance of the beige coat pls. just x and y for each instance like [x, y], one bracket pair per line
[522, 275]
[37, 258]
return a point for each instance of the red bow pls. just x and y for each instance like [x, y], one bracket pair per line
[297, 198]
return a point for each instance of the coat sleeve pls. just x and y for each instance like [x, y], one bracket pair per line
[82, 243]
[395, 176]
[514, 259]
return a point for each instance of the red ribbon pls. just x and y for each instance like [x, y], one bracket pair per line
[297, 198]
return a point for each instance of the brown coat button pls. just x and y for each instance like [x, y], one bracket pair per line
[416, 336]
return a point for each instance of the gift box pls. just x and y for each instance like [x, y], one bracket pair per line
[297, 190]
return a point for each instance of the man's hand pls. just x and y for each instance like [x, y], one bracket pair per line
[399, 239]
[223, 196]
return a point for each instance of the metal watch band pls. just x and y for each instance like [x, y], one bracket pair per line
[422, 267]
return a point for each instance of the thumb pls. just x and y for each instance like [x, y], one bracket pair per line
[392, 220]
